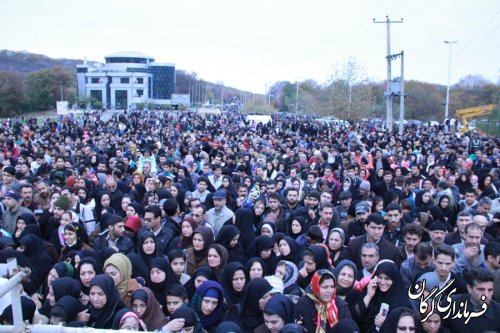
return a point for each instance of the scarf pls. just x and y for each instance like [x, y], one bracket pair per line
[124, 266]
[327, 312]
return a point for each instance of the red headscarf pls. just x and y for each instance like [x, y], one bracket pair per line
[327, 312]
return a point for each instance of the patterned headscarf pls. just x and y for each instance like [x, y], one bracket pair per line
[327, 312]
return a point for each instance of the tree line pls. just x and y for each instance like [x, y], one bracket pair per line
[347, 94]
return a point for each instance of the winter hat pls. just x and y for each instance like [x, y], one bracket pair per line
[62, 202]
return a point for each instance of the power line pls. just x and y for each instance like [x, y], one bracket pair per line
[480, 44]
[477, 34]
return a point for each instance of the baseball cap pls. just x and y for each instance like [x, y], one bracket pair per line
[362, 208]
[219, 194]
[345, 195]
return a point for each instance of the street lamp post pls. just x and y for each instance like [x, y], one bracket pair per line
[297, 99]
[450, 43]
[62, 95]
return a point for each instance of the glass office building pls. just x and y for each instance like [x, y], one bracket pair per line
[126, 79]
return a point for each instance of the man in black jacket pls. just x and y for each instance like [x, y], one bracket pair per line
[474, 317]
[374, 227]
[164, 235]
[114, 237]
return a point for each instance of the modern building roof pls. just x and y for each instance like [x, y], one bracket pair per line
[129, 54]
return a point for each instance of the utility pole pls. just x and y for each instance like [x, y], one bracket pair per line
[388, 92]
[402, 96]
[446, 114]
[62, 94]
[297, 99]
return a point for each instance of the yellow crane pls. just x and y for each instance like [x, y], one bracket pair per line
[464, 115]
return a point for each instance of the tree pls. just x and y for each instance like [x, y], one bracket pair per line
[348, 92]
[184, 80]
[12, 98]
[44, 87]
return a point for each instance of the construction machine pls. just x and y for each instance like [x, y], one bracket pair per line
[464, 115]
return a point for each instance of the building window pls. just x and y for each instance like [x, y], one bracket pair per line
[124, 80]
[121, 101]
[95, 80]
[163, 85]
[140, 92]
[140, 80]
[96, 97]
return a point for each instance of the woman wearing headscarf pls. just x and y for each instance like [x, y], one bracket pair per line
[278, 312]
[314, 257]
[183, 199]
[217, 259]
[448, 211]
[423, 201]
[463, 183]
[245, 221]
[59, 288]
[202, 274]
[28, 309]
[104, 302]
[320, 309]
[228, 237]
[190, 320]
[345, 274]
[119, 267]
[34, 229]
[59, 270]
[280, 306]
[255, 267]
[297, 227]
[208, 303]
[39, 260]
[139, 192]
[233, 280]
[262, 247]
[231, 194]
[335, 242]
[102, 206]
[75, 238]
[386, 286]
[147, 308]
[184, 178]
[185, 239]
[87, 269]
[65, 311]
[401, 317]
[161, 276]
[486, 188]
[23, 220]
[146, 252]
[203, 237]
[289, 250]
[346, 325]
[126, 319]
[249, 312]
[268, 228]
[289, 273]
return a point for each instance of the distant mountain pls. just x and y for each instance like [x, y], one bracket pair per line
[26, 62]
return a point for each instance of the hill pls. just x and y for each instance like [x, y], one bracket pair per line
[26, 62]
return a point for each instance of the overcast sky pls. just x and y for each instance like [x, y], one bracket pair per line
[248, 43]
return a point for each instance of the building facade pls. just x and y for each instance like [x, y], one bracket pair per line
[125, 80]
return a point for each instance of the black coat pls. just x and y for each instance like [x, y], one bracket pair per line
[486, 322]
[124, 244]
[386, 250]
[306, 311]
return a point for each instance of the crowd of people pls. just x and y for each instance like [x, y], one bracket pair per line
[173, 222]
